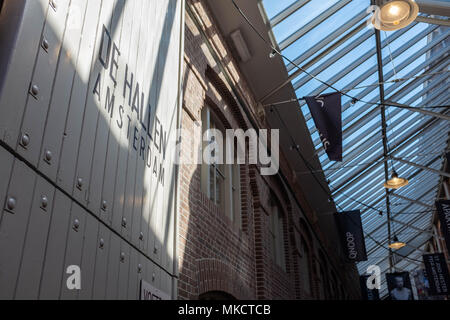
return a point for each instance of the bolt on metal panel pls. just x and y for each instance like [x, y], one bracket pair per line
[53, 265]
[42, 85]
[13, 227]
[36, 237]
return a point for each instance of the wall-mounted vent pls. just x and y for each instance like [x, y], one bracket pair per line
[240, 45]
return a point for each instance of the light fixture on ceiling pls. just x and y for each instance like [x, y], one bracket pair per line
[273, 54]
[396, 244]
[395, 182]
[395, 14]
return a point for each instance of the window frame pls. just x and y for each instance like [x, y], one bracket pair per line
[229, 174]
[276, 233]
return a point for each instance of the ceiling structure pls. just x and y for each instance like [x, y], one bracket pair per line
[332, 41]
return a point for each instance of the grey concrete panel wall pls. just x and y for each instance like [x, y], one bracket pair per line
[88, 117]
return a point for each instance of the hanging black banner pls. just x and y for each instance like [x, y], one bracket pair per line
[399, 286]
[326, 111]
[443, 209]
[351, 234]
[437, 273]
[368, 294]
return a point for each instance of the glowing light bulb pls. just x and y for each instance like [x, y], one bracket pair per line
[396, 14]
[394, 10]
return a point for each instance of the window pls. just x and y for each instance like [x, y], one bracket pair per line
[276, 236]
[305, 271]
[323, 284]
[220, 181]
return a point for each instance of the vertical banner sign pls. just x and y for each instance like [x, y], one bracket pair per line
[368, 294]
[399, 286]
[326, 111]
[351, 234]
[443, 208]
[437, 273]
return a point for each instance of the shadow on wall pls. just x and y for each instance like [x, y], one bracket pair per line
[212, 256]
[98, 124]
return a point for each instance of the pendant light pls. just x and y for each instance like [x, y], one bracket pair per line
[395, 14]
[396, 244]
[395, 182]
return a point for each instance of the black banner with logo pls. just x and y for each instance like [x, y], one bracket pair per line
[443, 208]
[326, 111]
[351, 234]
[368, 294]
[437, 274]
[399, 286]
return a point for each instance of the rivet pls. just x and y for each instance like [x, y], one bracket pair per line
[124, 222]
[153, 277]
[34, 90]
[44, 202]
[139, 268]
[141, 236]
[45, 44]
[122, 256]
[79, 183]
[48, 156]
[102, 243]
[11, 203]
[76, 224]
[104, 205]
[25, 140]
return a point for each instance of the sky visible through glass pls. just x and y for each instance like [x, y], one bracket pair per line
[337, 46]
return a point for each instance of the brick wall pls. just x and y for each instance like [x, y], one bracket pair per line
[214, 253]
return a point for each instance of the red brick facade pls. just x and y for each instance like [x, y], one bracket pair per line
[215, 254]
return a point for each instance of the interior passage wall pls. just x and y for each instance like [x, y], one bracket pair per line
[217, 254]
[88, 119]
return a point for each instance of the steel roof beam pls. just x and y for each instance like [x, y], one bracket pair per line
[332, 37]
[410, 226]
[430, 189]
[402, 144]
[362, 59]
[362, 192]
[439, 8]
[412, 200]
[439, 172]
[434, 98]
[371, 233]
[280, 17]
[371, 142]
[314, 23]
[323, 54]
[355, 127]
[440, 22]
[372, 71]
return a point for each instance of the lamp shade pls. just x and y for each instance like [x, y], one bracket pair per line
[395, 182]
[395, 14]
[396, 244]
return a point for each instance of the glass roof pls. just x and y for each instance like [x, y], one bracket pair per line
[331, 40]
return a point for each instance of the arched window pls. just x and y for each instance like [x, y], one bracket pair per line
[305, 267]
[276, 235]
[216, 296]
[324, 289]
[219, 181]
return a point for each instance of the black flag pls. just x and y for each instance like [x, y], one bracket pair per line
[368, 294]
[443, 209]
[437, 273]
[326, 111]
[351, 234]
